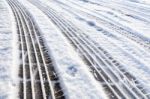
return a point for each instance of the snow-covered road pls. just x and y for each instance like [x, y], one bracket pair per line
[75, 49]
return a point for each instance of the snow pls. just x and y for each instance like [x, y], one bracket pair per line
[7, 87]
[75, 78]
[140, 1]
[125, 17]
[137, 59]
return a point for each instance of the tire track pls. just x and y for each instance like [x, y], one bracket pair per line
[97, 58]
[39, 79]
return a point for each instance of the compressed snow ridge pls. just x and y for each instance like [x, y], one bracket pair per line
[75, 78]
